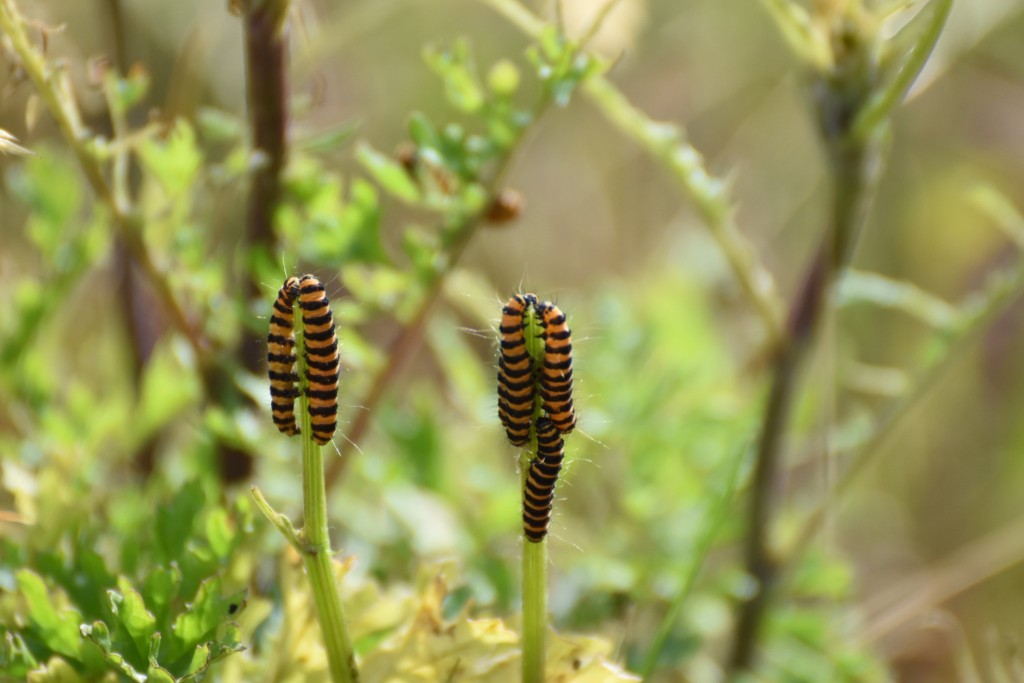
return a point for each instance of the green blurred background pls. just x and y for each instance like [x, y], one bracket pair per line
[670, 380]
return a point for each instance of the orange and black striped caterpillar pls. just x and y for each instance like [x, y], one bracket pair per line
[321, 357]
[539, 492]
[519, 377]
[515, 372]
[281, 359]
[321, 354]
[556, 373]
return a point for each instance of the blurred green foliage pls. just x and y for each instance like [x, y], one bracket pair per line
[123, 556]
[145, 595]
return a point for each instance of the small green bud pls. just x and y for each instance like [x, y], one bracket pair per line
[503, 78]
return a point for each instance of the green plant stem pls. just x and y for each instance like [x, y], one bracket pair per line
[667, 144]
[323, 581]
[535, 555]
[535, 612]
[316, 543]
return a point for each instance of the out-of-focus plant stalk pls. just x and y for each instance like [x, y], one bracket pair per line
[852, 179]
[844, 94]
[266, 45]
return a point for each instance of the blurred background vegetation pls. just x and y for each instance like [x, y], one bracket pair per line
[105, 409]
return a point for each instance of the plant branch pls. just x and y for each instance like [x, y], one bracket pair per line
[854, 98]
[668, 144]
[267, 94]
[56, 95]
[283, 524]
[854, 169]
[1004, 290]
[408, 339]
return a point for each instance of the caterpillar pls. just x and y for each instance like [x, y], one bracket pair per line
[539, 493]
[281, 359]
[556, 371]
[515, 372]
[321, 354]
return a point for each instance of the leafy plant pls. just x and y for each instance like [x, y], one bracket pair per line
[146, 225]
[164, 612]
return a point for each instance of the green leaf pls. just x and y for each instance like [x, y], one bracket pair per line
[58, 630]
[329, 140]
[360, 220]
[91, 576]
[822, 578]
[168, 387]
[161, 587]
[207, 611]
[219, 126]
[130, 608]
[126, 92]
[99, 633]
[905, 56]
[48, 185]
[457, 71]
[54, 671]
[15, 657]
[200, 659]
[423, 132]
[422, 250]
[158, 674]
[861, 287]
[175, 519]
[174, 161]
[388, 173]
[323, 228]
[219, 533]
